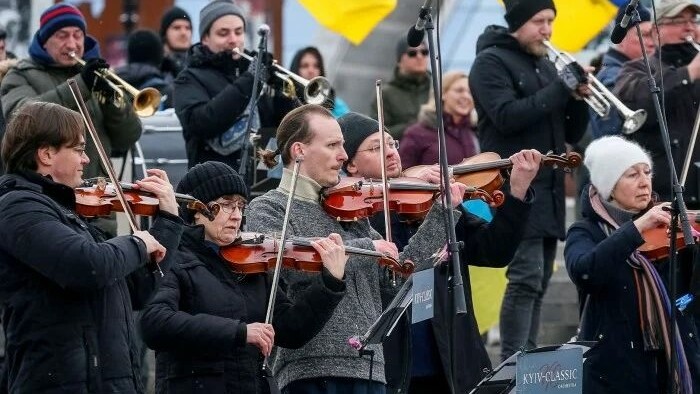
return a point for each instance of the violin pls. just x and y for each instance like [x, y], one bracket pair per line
[99, 198]
[356, 198]
[484, 171]
[657, 241]
[256, 253]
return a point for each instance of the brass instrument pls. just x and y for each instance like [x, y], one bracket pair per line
[145, 101]
[691, 40]
[601, 98]
[316, 90]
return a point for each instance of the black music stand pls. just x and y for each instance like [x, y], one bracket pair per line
[501, 380]
[384, 325]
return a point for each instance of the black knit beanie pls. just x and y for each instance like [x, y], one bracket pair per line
[356, 128]
[520, 11]
[208, 181]
[171, 16]
[144, 46]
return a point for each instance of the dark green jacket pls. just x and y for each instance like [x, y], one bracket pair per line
[118, 128]
[402, 99]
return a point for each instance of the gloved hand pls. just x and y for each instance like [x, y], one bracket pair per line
[573, 75]
[88, 73]
[266, 68]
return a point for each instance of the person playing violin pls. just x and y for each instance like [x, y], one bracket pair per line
[327, 363]
[423, 354]
[68, 293]
[624, 300]
[206, 322]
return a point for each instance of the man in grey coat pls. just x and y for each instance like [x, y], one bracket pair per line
[43, 77]
[327, 362]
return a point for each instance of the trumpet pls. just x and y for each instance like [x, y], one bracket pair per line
[145, 101]
[690, 40]
[316, 90]
[601, 98]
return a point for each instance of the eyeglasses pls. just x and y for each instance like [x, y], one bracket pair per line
[393, 144]
[227, 207]
[415, 52]
[680, 21]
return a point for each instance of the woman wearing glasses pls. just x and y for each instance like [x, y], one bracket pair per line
[420, 142]
[206, 321]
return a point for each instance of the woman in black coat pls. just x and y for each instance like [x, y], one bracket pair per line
[626, 307]
[206, 321]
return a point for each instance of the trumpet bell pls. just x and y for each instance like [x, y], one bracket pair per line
[634, 121]
[146, 102]
[317, 90]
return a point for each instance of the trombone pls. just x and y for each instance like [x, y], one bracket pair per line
[601, 98]
[146, 101]
[316, 90]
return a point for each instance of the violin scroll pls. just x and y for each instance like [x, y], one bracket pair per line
[566, 161]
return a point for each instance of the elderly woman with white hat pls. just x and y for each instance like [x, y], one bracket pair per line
[624, 298]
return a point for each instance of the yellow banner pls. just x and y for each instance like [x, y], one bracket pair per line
[352, 19]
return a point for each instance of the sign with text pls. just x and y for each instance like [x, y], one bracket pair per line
[558, 371]
[423, 297]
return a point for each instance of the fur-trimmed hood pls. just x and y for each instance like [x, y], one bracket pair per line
[6, 65]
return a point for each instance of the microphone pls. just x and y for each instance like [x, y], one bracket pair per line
[417, 31]
[620, 31]
[263, 29]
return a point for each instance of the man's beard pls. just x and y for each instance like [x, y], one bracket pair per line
[535, 48]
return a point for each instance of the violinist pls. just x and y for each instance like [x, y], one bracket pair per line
[624, 298]
[327, 363]
[206, 322]
[68, 293]
[422, 353]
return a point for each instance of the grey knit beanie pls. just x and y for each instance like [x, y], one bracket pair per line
[215, 10]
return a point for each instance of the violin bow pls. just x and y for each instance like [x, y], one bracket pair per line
[104, 159]
[382, 163]
[280, 252]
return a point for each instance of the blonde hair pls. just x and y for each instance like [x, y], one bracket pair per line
[428, 109]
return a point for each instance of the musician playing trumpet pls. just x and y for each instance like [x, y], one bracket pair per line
[523, 102]
[43, 76]
[212, 94]
[680, 67]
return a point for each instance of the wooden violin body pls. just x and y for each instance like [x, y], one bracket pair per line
[101, 200]
[356, 198]
[257, 253]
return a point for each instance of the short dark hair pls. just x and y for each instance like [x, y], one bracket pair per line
[37, 125]
[293, 128]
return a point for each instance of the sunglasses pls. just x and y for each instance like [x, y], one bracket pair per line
[415, 52]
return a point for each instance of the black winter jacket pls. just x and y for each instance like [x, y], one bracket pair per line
[67, 296]
[197, 321]
[522, 104]
[597, 265]
[681, 97]
[211, 93]
[487, 245]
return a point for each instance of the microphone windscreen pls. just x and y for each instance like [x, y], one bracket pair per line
[618, 34]
[414, 37]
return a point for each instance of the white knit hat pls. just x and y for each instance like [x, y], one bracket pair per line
[607, 158]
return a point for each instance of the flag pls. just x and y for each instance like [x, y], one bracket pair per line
[579, 21]
[352, 19]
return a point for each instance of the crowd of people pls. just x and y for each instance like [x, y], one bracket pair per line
[80, 303]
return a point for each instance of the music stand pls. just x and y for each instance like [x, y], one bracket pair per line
[501, 380]
[386, 322]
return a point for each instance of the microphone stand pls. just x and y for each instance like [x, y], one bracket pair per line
[678, 210]
[252, 106]
[456, 303]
